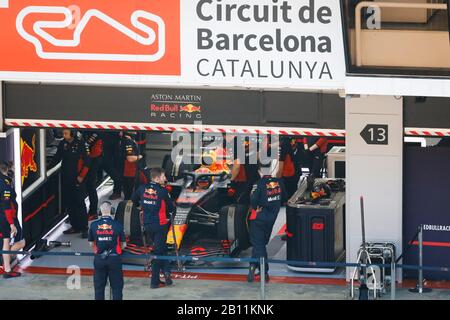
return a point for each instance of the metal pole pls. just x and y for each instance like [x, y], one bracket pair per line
[262, 271]
[393, 278]
[419, 288]
[420, 284]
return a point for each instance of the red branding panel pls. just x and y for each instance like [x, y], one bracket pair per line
[91, 36]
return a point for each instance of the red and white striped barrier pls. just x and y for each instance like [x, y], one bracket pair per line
[174, 127]
[420, 132]
[424, 132]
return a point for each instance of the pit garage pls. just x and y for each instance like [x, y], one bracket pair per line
[166, 117]
[208, 222]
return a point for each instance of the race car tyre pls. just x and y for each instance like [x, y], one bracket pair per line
[233, 227]
[129, 216]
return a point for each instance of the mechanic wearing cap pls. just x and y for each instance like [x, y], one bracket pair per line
[244, 173]
[129, 155]
[156, 205]
[74, 154]
[317, 148]
[10, 230]
[286, 168]
[95, 144]
[266, 198]
[107, 237]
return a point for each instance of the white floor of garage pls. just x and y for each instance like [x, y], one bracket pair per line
[276, 250]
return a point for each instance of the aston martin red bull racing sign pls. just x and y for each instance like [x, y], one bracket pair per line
[257, 43]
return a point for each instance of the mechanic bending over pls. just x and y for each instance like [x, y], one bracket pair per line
[244, 173]
[266, 198]
[10, 230]
[107, 237]
[316, 148]
[156, 205]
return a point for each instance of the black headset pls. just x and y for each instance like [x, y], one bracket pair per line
[72, 132]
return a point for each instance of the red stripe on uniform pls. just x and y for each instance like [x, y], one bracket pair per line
[119, 246]
[162, 213]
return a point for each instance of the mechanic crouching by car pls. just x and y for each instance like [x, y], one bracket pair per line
[157, 205]
[10, 230]
[107, 236]
[266, 198]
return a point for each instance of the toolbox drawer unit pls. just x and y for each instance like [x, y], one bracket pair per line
[315, 233]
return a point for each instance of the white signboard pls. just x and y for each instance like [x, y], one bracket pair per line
[257, 43]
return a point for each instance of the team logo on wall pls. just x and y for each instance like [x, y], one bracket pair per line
[27, 157]
[176, 106]
[96, 36]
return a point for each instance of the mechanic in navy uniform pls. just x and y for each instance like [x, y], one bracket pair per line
[141, 141]
[130, 157]
[157, 205]
[266, 198]
[107, 237]
[95, 143]
[9, 224]
[244, 173]
[73, 152]
[110, 161]
[287, 167]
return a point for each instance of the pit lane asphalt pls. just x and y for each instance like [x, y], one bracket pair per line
[45, 287]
